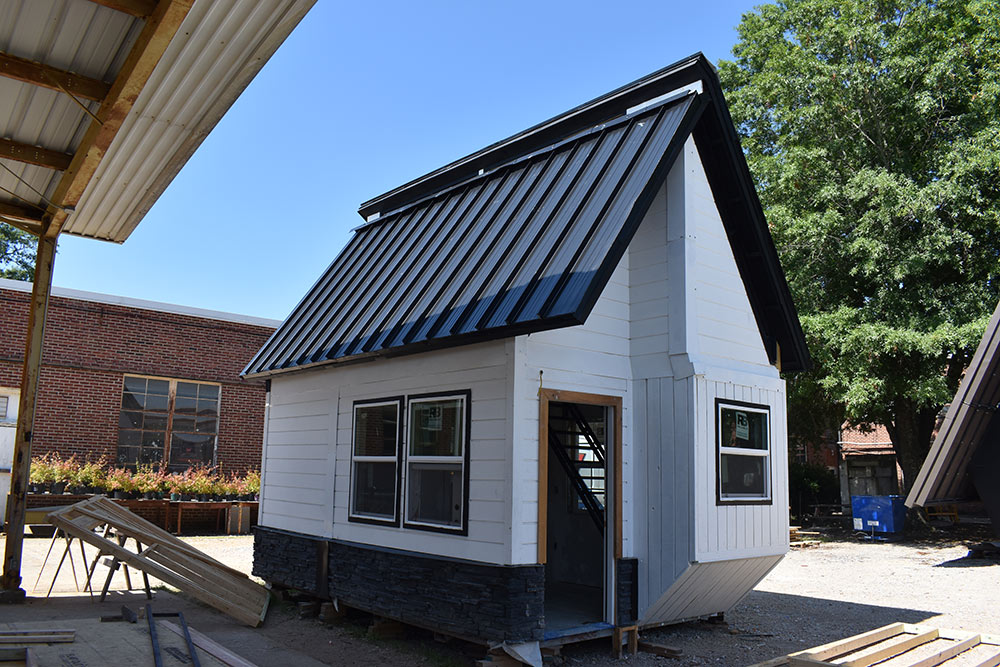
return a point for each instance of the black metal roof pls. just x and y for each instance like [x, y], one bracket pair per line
[971, 420]
[523, 236]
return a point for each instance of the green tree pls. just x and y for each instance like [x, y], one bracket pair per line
[17, 253]
[873, 131]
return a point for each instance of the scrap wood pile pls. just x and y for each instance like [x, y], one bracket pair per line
[163, 556]
[900, 645]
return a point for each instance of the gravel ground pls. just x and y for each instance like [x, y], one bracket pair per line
[815, 595]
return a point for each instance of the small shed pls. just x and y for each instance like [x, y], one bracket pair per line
[963, 461]
[537, 395]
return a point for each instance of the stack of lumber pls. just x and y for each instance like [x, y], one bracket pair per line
[802, 538]
[164, 556]
[903, 645]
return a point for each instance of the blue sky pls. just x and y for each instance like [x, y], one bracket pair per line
[361, 98]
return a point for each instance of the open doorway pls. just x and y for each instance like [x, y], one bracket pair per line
[578, 496]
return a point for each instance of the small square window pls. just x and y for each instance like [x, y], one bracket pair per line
[744, 452]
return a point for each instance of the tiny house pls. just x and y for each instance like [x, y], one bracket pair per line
[537, 395]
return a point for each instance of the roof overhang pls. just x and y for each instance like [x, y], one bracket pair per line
[103, 101]
[944, 476]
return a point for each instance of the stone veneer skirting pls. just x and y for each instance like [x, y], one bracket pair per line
[477, 601]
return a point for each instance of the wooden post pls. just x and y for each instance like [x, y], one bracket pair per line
[10, 583]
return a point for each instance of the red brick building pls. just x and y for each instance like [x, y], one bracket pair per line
[137, 381]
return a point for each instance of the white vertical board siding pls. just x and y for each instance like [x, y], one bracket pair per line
[483, 370]
[708, 588]
[741, 530]
[592, 358]
[297, 465]
[724, 321]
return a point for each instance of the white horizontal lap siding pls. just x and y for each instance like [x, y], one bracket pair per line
[481, 369]
[725, 323]
[297, 462]
[728, 531]
[591, 358]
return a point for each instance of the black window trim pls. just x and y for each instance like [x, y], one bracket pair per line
[403, 402]
[769, 466]
[400, 402]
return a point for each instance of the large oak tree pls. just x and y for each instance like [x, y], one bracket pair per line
[872, 128]
[17, 253]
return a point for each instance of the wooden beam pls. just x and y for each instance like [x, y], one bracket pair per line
[38, 74]
[159, 30]
[10, 582]
[36, 155]
[21, 213]
[138, 8]
[23, 226]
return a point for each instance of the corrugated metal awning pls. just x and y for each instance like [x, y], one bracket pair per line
[103, 101]
[944, 476]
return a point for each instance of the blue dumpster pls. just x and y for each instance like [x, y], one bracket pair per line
[880, 514]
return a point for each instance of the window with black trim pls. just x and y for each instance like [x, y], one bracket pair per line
[435, 462]
[419, 472]
[744, 452]
[168, 421]
[374, 460]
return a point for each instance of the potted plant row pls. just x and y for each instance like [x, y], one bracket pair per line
[51, 473]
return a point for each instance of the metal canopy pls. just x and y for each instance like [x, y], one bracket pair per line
[103, 101]
[944, 476]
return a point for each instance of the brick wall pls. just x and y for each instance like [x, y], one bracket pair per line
[89, 346]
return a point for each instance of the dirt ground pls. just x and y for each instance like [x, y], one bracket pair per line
[815, 595]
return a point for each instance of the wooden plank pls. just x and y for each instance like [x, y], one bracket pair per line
[216, 650]
[46, 636]
[137, 8]
[170, 559]
[802, 661]
[39, 74]
[991, 661]
[36, 155]
[892, 650]
[948, 653]
[845, 646]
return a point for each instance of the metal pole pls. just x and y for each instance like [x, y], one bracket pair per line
[10, 583]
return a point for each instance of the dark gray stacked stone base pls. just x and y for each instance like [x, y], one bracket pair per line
[476, 601]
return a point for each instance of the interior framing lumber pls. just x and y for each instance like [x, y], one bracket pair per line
[36, 155]
[138, 8]
[160, 28]
[52, 78]
[23, 214]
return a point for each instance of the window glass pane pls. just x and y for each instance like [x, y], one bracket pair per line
[132, 401]
[129, 438]
[209, 391]
[127, 456]
[183, 423]
[158, 403]
[185, 406]
[130, 420]
[743, 475]
[3, 407]
[207, 408]
[435, 493]
[436, 428]
[160, 387]
[150, 455]
[135, 385]
[375, 430]
[155, 422]
[188, 449]
[188, 389]
[153, 438]
[375, 489]
[743, 428]
[206, 425]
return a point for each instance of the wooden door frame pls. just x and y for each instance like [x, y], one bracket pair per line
[615, 402]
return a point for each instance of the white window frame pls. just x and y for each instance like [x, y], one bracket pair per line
[462, 460]
[361, 517]
[743, 498]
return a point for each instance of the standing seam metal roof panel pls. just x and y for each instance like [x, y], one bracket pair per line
[521, 248]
